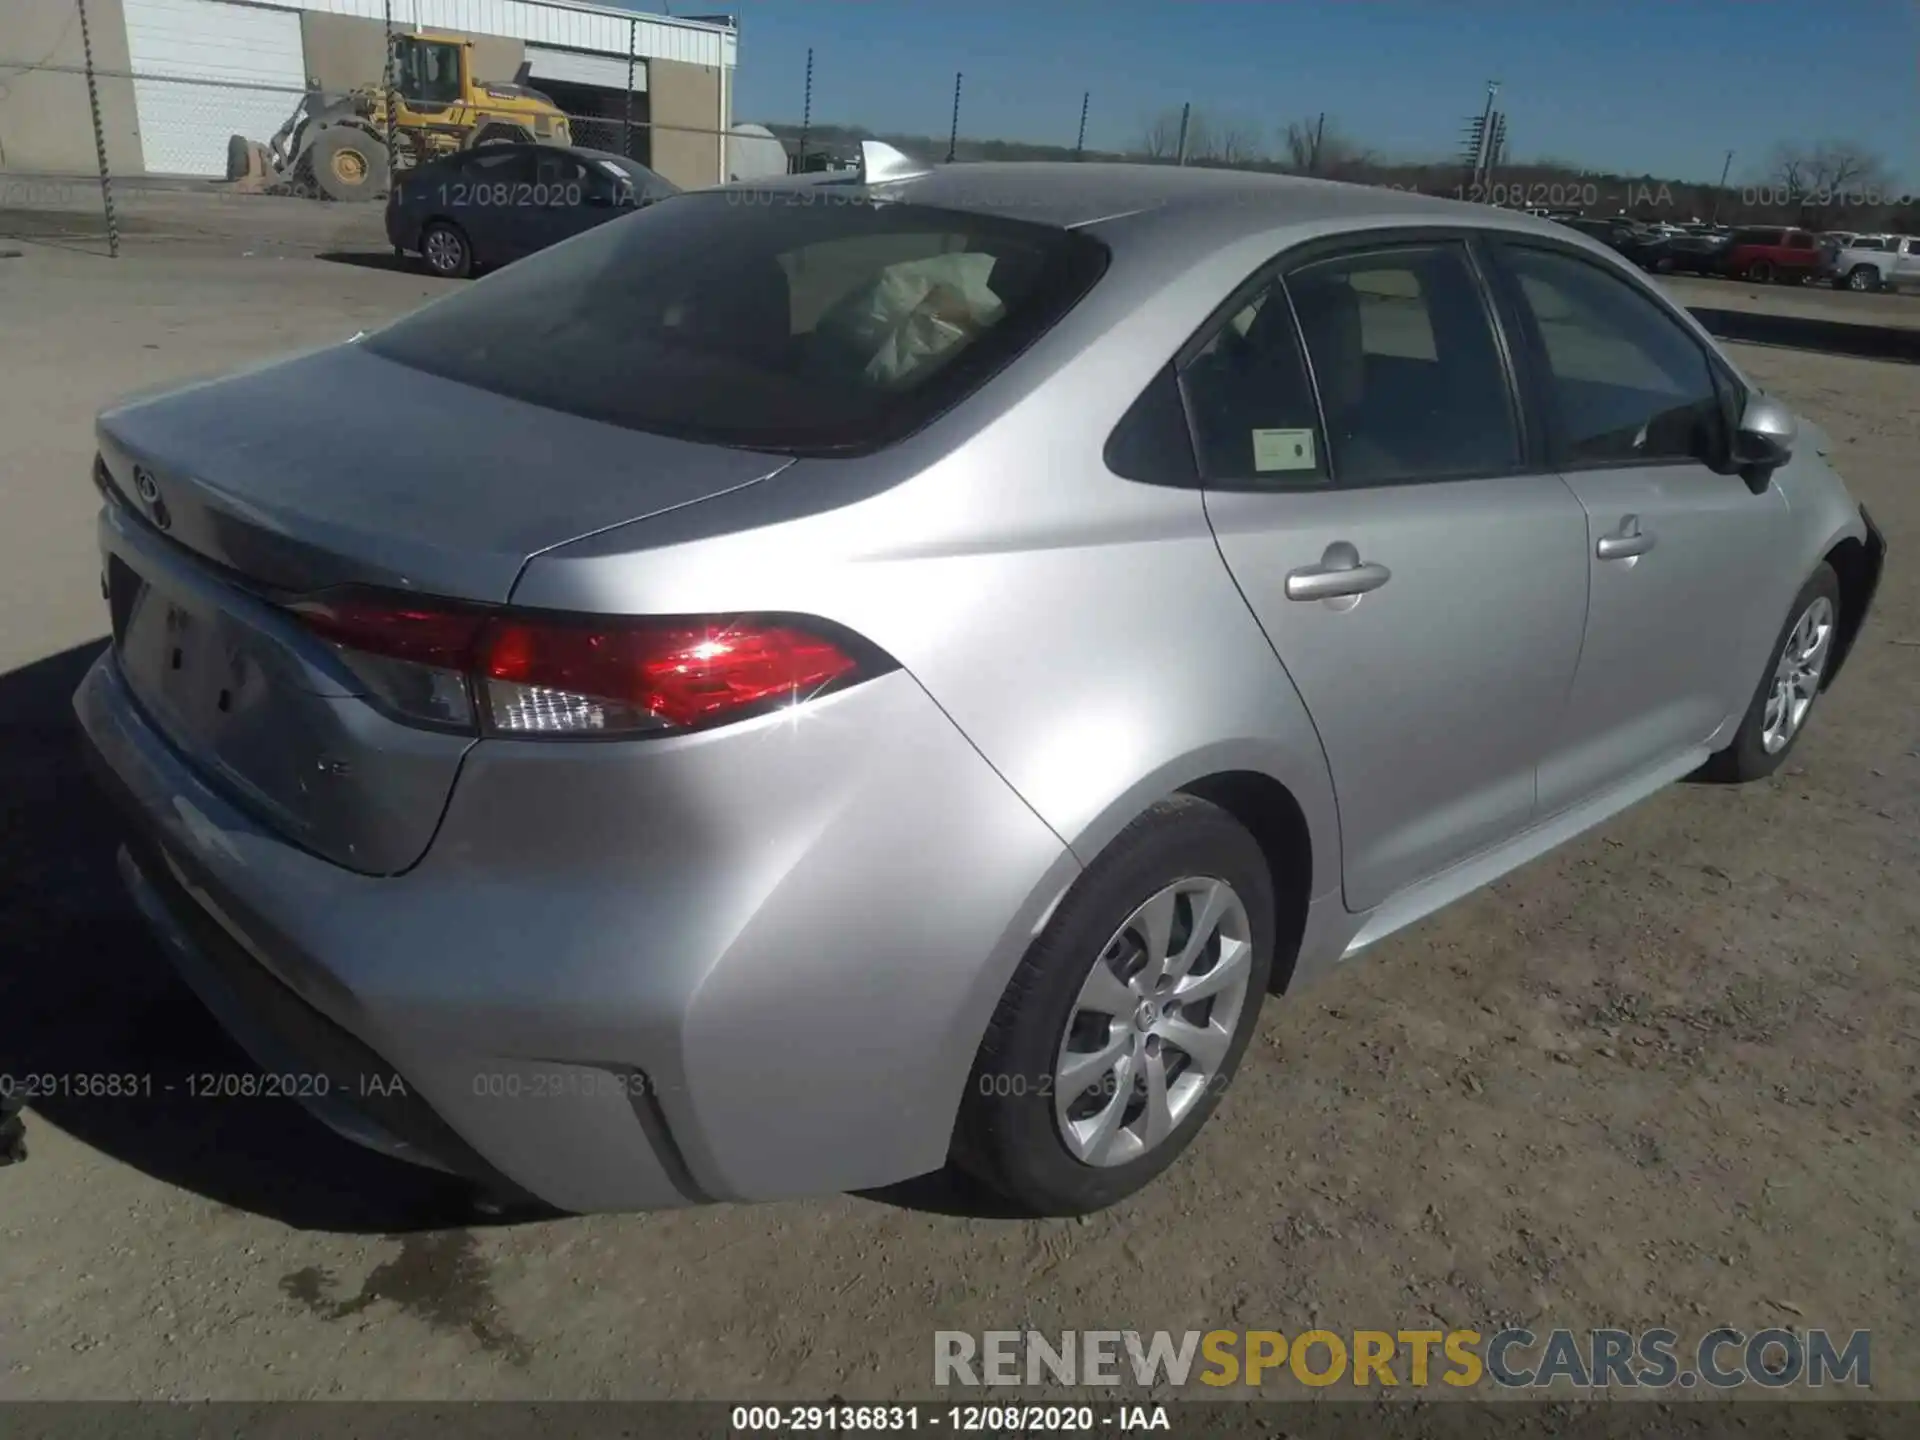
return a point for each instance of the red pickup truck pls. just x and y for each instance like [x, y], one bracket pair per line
[1766, 253]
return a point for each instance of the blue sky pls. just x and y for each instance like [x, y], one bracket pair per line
[1666, 86]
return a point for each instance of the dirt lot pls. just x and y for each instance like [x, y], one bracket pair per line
[1666, 1076]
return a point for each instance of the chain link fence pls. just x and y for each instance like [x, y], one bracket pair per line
[181, 154]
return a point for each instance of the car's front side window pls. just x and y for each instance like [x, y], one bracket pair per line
[1625, 383]
[1410, 381]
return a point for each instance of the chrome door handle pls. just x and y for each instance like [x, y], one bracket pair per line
[1340, 573]
[1626, 542]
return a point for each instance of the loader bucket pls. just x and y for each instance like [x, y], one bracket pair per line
[249, 166]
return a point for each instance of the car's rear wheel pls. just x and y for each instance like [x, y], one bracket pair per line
[1796, 670]
[1127, 1018]
[1863, 277]
[445, 248]
[1760, 272]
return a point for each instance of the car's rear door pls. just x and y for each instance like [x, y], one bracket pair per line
[1424, 589]
[1687, 568]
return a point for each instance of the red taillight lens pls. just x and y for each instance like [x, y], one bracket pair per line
[423, 634]
[535, 675]
[649, 675]
[413, 657]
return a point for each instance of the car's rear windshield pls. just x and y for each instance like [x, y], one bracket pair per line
[804, 321]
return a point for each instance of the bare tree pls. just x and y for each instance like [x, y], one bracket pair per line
[1160, 140]
[1316, 147]
[1224, 142]
[1833, 174]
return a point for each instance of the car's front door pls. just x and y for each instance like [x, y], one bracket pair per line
[1423, 590]
[491, 198]
[1688, 569]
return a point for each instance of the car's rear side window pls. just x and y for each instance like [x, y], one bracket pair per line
[1252, 406]
[801, 321]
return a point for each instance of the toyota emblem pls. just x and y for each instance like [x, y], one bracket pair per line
[143, 481]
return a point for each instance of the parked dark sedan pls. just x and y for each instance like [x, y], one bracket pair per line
[1701, 249]
[1633, 242]
[498, 202]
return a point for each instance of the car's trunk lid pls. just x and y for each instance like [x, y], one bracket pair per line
[230, 498]
[341, 467]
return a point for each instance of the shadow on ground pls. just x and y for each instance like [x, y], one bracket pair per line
[375, 260]
[84, 992]
[1803, 332]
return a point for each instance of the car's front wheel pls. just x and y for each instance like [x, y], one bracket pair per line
[1795, 673]
[1127, 1019]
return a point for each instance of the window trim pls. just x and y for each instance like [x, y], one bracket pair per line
[1533, 347]
[1346, 245]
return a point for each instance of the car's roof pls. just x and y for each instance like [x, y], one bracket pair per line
[1230, 203]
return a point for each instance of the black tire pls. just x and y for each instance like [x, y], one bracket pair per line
[499, 135]
[1863, 277]
[1746, 757]
[348, 164]
[1007, 1136]
[239, 153]
[1760, 272]
[446, 250]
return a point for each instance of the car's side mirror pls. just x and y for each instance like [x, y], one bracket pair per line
[1763, 440]
[1766, 433]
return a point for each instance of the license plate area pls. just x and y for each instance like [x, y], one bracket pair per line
[198, 670]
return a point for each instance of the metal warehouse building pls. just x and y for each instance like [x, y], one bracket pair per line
[178, 77]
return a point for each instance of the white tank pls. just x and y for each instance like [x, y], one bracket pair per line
[754, 153]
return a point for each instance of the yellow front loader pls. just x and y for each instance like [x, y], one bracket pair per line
[335, 143]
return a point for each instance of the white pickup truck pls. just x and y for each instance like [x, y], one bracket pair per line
[1873, 262]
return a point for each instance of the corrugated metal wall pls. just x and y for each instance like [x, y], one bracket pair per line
[580, 29]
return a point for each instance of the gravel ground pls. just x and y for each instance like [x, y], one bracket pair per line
[1664, 1076]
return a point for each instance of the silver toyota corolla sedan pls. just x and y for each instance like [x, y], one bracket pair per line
[816, 682]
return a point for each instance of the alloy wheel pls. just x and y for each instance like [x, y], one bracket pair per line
[445, 252]
[1154, 1020]
[1796, 678]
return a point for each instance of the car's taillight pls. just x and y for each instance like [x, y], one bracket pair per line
[525, 673]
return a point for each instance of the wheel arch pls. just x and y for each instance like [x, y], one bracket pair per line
[1269, 812]
[1857, 563]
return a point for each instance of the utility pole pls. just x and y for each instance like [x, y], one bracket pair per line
[389, 97]
[1714, 217]
[953, 133]
[806, 115]
[1180, 151]
[626, 127]
[1496, 148]
[1319, 139]
[1080, 145]
[1484, 159]
[106, 187]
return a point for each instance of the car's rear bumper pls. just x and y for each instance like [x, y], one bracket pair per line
[742, 965]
